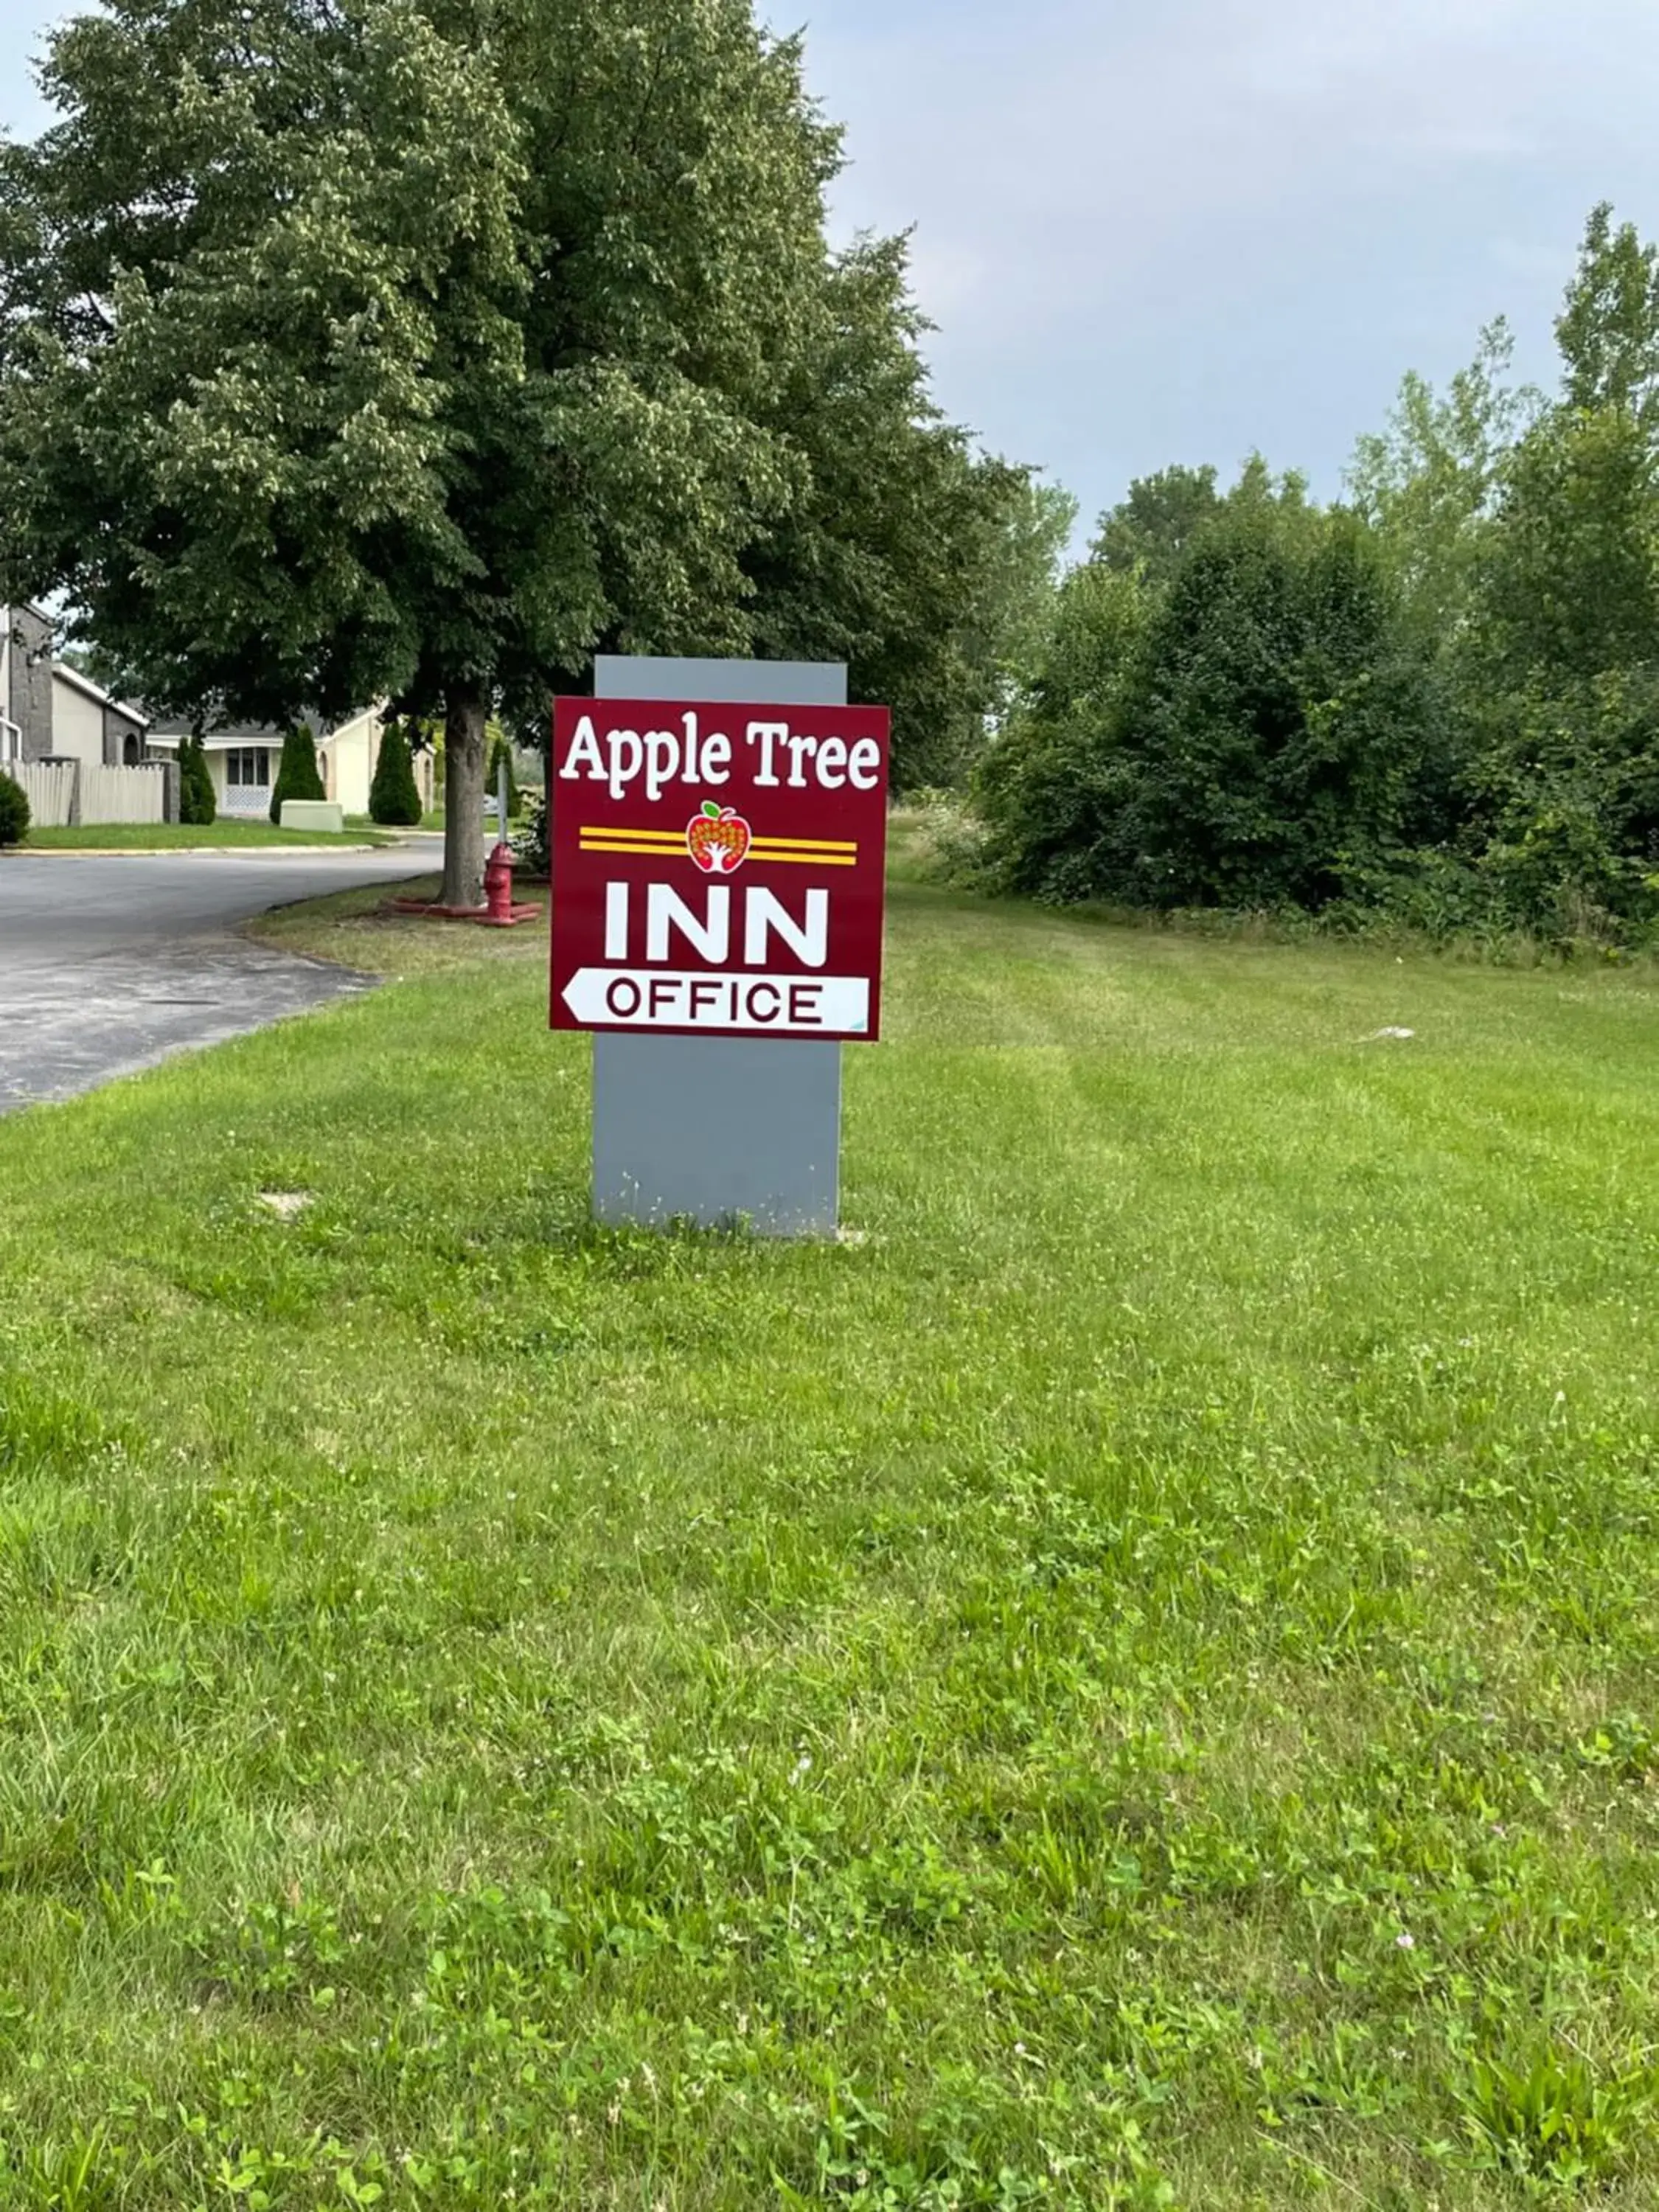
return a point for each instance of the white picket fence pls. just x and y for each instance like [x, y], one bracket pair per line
[123, 794]
[62, 791]
[49, 787]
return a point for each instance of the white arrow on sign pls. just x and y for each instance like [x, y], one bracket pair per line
[680, 999]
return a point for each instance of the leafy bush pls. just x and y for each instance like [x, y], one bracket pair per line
[1224, 742]
[530, 843]
[13, 811]
[394, 797]
[298, 775]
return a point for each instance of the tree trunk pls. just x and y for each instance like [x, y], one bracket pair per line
[464, 713]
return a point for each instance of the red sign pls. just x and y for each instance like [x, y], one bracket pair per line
[718, 870]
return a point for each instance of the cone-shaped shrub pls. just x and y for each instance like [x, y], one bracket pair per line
[13, 811]
[394, 797]
[503, 757]
[297, 777]
[196, 802]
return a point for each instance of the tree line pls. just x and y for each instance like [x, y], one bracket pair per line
[1436, 698]
[417, 350]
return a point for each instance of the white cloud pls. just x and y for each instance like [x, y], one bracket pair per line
[1189, 228]
[1075, 129]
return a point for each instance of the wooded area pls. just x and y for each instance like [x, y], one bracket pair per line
[1437, 700]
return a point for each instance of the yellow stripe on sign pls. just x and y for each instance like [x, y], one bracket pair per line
[622, 845]
[804, 859]
[655, 836]
[772, 859]
[810, 844]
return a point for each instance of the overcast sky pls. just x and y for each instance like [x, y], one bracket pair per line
[1179, 230]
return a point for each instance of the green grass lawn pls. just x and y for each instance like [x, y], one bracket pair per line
[168, 837]
[1133, 1684]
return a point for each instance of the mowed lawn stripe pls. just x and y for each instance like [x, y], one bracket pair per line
[1131, 1683]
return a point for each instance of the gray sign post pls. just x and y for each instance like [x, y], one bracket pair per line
[720, 1128]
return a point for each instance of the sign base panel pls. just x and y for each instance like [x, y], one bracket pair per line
[717, 1131]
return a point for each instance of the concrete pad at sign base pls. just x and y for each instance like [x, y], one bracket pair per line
[714, 1130]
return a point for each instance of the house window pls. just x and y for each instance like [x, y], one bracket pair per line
[248, 767]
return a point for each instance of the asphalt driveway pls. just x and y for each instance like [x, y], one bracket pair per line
[110, 962]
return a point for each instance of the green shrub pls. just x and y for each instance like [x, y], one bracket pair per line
[298, 777]
[499, 758]
[394, 798]
[196, 804]
[1224, 743]
[14, 811]
[531, 844]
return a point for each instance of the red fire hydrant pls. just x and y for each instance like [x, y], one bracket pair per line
[498, 883]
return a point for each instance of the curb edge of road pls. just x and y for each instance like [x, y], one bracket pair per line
[185, 852]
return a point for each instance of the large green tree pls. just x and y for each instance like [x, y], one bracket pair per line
[249, 359]
[1430, 482]
[1608, 327]
[903, 551]
[1559, 663]
[1568, 579]
[1525, 533]
[1152, 525]
[414, 349]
